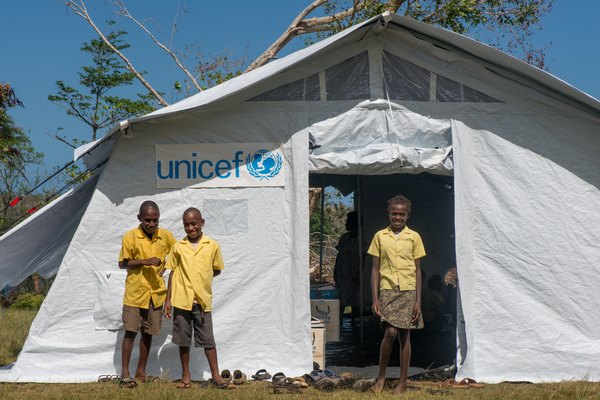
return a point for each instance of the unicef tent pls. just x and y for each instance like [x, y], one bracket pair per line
[499, 158]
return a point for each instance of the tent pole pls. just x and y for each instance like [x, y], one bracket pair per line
[357, 207]
[322, 219]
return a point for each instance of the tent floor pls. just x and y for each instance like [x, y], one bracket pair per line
[429, 350]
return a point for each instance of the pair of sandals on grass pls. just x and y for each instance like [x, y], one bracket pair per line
[230, 381]
[128, 381]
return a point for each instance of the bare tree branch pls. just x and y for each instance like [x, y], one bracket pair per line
[125, 13]
[80, 9]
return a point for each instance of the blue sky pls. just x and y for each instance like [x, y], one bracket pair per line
[41, 41]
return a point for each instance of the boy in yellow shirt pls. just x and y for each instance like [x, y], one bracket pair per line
[193, 262]
[142, 254]
[396, 287]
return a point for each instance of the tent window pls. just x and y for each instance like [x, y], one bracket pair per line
[306, 89]
[448, 90]
[404, 80]
[349, 80]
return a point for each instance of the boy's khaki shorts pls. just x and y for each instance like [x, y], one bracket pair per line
[140, 319]
[200, 321]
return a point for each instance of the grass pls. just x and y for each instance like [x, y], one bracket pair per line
[14, 327]
[259, 390]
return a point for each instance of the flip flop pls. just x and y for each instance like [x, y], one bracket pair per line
[278, 377]
[325, 384]
[363, 385]
[213, 383]
[261, 375]
[127, 382]
[238, 377]
[183, 385]
[108, 378]
[149, 378]
[226, 376]
[309, 379]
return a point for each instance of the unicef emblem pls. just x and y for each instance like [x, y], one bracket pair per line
[263, 164]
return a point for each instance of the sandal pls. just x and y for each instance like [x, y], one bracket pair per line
[127, 382]
[238, 377]
[212, 382]
[183, 385]
[150, 378]
[108, 378]
[280, 376]
[261, 375]
[226, 375]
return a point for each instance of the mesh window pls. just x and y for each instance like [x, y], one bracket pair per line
[349, 80]
[306, 89]
[448, 90]
[404, 80]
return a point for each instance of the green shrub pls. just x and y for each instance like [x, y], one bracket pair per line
[29, 301]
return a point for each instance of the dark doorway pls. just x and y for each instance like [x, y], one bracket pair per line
[433, 218]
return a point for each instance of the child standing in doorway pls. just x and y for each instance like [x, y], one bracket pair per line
[396, 287]
[193, 262]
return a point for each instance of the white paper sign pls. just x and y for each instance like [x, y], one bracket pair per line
[219, 165]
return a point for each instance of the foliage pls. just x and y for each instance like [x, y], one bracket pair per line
[13, 181]
[97, 109]
[29, 301]
[9, 133]
[505, 24]
[334, 225]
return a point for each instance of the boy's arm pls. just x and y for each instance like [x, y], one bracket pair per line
[129, 264]
[167, 307]
[375, 286]
[417, 306]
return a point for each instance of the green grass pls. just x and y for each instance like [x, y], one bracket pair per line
[259, 390]
[14, 328]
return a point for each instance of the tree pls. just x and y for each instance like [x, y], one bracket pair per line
[9, 152]
[97, 109]
[507, 24]
[13, 181]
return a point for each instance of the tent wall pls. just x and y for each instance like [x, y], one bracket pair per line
[527, 212]
[261, 304]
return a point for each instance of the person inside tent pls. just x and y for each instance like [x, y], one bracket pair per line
[142, 254]
[346, 272]
[396, 287]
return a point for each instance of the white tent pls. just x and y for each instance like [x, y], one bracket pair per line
[498, 157]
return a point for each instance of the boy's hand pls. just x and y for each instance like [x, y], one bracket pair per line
[416, 312]
[167, 309]
[154, 261]
[376, 307]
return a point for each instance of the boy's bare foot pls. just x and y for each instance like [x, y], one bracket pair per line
[378, 386]
[401, 388]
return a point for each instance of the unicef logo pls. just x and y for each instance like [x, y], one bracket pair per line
[263, 164]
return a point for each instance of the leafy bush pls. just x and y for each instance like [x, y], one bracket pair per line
[29, 301]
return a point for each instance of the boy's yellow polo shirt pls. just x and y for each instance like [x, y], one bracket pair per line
[397, 257]
[193, 272]
[143, 282]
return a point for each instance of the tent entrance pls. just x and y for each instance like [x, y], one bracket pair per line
[433, 217]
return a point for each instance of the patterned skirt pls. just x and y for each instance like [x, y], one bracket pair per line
[397, 308]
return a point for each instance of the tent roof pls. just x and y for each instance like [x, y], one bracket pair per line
[491, 57]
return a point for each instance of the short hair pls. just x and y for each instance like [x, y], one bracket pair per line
[399, 200]
[192, 209]
[147, 205]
